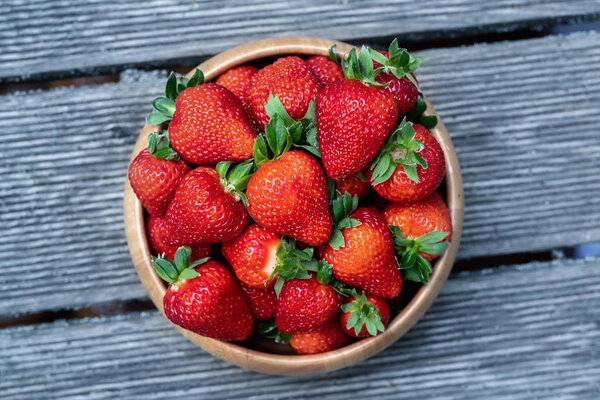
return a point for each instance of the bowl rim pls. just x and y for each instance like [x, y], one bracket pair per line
[278, 364]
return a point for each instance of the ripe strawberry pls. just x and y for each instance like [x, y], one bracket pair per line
[409, 167]
[207, 123]
[291, 80]
[403, 89]
[305, 304]
[208, 206]
[155, 231]
[319, 340]
[155, 173]
[289, 196]
[237, 80]
[364, 315]
[325, 69]
[354, 118]
[262, 302]
[253, 256]
[204, 298]
[367, 258]
[422, 231]
[353, 185]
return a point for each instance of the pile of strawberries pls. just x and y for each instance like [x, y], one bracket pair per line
[270, 171]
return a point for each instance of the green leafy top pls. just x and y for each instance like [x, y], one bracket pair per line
[291, 263]
[235, 177]
[363, 312]
[175, 271]
[400, 63]
[416, 114]
[269, 330]
[160, 147]
[401, 149]
[282, 132]
[415, 267]
[164, 107]
[342, 207]
[359, 67]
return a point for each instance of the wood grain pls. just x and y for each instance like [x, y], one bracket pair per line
[65, 37]
[524, 332]
[526, 136]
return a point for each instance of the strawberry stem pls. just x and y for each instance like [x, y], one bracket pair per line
[176, 270]
[234, 177]
[164, 107]
[342, 206]
[400, 63]
[363, 313]
[160, 147]
[269, 330]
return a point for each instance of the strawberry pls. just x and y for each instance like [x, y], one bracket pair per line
[397, 74]
[155, 173]
[305, 304]
[262, 302]
[208, 123]
[364, 315]
[319, 340]
[421, 231]
[208, 205]
[253, 256]
[366, 259]
[288, 195]
[237, 80]
[155, 230]
[291, 80]
[354, 117]
[409, 167]
[325, 69]
[203, 297]
[352, 185]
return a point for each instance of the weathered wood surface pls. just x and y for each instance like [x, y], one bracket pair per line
[525, 332]
[53, 38]
[524, 117]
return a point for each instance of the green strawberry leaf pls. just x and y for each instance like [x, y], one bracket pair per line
[188, 273]
[363, 313]
[182, 257]
[196, 79]
[235, 177]
[274, 106]
[160, 147]
[333, 54]
[269, 330]
[171, 87]
[174, 271]
[428, 121]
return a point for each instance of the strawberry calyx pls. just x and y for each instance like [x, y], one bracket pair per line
[292, 263]
[177, 270]
[160, 147]
[362, 313]
[400, 63]
[359, 67]
[164, 107]
[234, 177]
[414, 266]
[416, 114]
[269, 330]
[342, 206]
[402, 148]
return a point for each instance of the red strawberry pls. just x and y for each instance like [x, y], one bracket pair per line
[404, 91]
[289, 196]
[291, 80]
[422, 231]
[237, 80]
[205, 211]
[364, 315]
[204, 298]
[366, 259]
[154, 177]
[325, 69]
[305, 304]
[353, 185]
[210, 125]
[262, 302]
[253, 256]
[155, 230]
[409, 167]
[354, 118]
[319, 340]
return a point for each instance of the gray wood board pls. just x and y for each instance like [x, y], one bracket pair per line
[57, 38]
[525, 332]
[524, 117]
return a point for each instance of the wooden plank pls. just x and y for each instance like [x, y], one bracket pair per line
[524, 117]
[523, 332]
[62, 37]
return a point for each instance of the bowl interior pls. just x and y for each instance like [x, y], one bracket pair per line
[265, 356]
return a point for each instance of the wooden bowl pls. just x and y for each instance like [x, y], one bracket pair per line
[270, 362]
